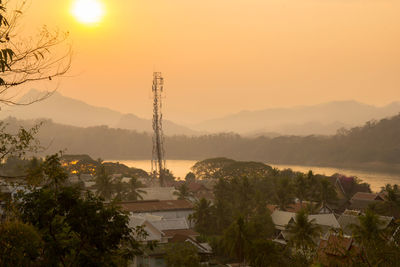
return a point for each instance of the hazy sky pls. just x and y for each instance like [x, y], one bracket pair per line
[223, 56]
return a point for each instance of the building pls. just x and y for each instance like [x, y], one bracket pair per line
[168, 209]
[361, 201]
[160, 193]
[165, 231]
[282, 220]
[338, 251]
[351, 217]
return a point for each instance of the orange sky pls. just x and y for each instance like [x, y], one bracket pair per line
[223, 56]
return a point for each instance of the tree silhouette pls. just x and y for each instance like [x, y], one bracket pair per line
[303, 233]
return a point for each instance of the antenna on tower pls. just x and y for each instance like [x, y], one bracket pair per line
[158, 157]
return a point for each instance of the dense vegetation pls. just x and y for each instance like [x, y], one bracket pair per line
[55, 223]
[373, 144]
[239, 225]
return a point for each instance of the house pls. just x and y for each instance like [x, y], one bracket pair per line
[312, 206]
[155, 257]
[160, 229]
[282, 219]
[361, 200]
[168, 209]
[165, 231]
[337, 251]
[346, 187]
[200, 191]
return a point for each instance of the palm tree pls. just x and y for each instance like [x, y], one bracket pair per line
[202, 216]
[325, 193]
[303, 233]
[183, 192]
[234, 240]
[370, 236]
[369, 229]
[392, 199]
[283, 193]
[301, 188]
[104, 184]
[133, 191]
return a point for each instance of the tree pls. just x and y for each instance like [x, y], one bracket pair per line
[17, 143]
[325, 193]
[168, 177]
[133, 191]
[379, 250]
[303, 233]
[265, 253]
[301, 188]
[206, 169]
[104, 185]
[203, 216]
[190, 177]
[392, 200]
[20, 243]
[76, 230]
[183, 192]
[283, 193]
[234, 239]
[182, 254]
[29, 59]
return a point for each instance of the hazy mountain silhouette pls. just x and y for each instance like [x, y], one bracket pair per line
[324, 119]
[69, 111]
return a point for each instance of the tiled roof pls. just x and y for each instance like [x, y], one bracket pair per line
[366, 196]
[362, 205]
[156, 205]
[194, 187]
[337, 251]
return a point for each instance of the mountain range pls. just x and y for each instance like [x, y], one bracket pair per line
[69, 111]
[322, 119]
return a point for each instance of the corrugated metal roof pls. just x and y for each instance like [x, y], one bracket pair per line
[156, 205]
[325, 220]
[171, 224]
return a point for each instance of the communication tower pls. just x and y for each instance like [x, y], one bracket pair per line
[158, 158]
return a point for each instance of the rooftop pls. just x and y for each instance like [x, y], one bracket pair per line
[366, 196]
[156, 205]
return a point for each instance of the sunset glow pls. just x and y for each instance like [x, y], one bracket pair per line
[88, 11]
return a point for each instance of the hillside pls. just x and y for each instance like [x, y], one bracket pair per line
[376, 144]
[323, 119]
[69, 111]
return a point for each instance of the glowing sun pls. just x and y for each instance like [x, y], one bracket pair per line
[88, 11]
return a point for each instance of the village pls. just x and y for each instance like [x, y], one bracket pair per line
[171, 214]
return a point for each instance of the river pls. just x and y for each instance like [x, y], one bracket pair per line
[181, 167]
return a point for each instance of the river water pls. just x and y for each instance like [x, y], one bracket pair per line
[181, 167]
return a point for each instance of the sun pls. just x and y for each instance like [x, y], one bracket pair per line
[88, 11]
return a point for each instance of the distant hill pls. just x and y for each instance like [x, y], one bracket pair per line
[323, 119]
[69, 111]
[375, 146]
[133, 122]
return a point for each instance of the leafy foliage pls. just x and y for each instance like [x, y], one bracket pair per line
[20, 244]
[76, 229]
[23, 61]
[182, 254]
[303, 233]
